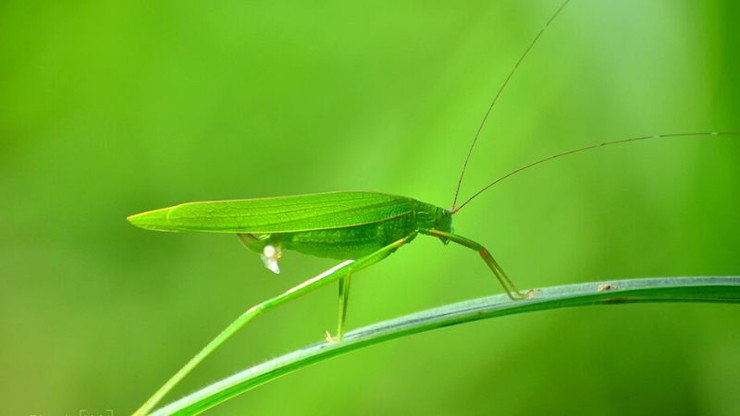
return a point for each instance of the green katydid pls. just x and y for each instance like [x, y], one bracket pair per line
[360, 228]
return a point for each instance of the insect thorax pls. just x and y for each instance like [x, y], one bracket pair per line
[432, 217]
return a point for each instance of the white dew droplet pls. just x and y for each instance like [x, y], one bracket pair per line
[270, 256]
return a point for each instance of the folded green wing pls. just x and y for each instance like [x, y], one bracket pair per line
[275, 215]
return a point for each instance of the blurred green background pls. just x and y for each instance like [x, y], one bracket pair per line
[111, 108]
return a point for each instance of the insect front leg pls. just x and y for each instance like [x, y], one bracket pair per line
[511, 291]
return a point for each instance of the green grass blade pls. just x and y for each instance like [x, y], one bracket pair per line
[679, 289]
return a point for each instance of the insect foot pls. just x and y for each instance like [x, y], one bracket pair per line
[270, 256]
[532, 293]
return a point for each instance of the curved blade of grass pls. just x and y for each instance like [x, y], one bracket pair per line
[724, 289]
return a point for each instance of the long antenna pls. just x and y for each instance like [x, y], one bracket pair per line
[591, 147]
[495, 99]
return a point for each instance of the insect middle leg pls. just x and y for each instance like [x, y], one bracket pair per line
[344, 284]
[511, 291]
[341, 272]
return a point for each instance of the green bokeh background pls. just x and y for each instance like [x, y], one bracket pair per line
[111, 108]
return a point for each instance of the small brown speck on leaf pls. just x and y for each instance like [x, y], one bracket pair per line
[607, 286]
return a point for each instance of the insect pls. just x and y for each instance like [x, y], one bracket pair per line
[359, 228]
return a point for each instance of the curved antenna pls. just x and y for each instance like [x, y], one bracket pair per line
[590, 147]
[495, 99]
